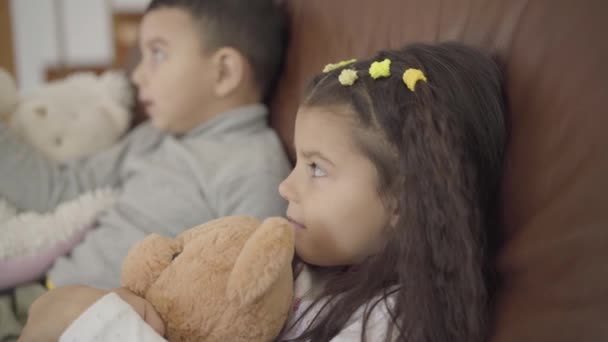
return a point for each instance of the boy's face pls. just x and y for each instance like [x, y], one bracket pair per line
[174, 77]
[334, 204]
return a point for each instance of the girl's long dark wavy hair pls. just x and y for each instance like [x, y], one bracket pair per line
[439, 155]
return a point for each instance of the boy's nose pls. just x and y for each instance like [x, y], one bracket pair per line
[136, 76]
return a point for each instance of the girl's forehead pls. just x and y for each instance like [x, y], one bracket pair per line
[322, 119]
[340, 116]
[325, 129]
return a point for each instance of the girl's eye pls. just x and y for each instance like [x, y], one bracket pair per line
[316, 171]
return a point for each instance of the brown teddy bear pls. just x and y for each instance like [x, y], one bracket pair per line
[227, 280]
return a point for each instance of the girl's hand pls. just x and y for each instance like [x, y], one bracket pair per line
[143, 308]
[54, 311]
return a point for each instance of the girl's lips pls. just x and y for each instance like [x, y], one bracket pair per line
[295, 223]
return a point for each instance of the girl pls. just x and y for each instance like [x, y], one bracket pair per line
[394, 200]
[394, 197]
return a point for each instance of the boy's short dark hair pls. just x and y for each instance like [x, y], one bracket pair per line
[256, 28]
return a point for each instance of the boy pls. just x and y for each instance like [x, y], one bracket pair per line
[207, 151]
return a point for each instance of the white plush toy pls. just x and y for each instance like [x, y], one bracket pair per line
[75, 116]
[65, 120]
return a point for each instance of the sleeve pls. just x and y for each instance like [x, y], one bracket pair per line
[110, 319]
[254, 194]
[30, 181]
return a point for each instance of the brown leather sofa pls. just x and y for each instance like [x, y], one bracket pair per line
[555, 257]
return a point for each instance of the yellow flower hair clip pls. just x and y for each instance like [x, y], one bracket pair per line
[411, 76]
[380, 69]
[348, 77]
[334, 66]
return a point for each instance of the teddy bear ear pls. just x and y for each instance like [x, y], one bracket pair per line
[266, 254]
[146, 261]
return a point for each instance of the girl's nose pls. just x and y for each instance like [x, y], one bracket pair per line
[286, 188]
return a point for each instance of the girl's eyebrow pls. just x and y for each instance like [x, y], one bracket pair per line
[311, 154]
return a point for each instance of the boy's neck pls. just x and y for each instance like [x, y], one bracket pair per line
[216, 106]
[234, 102]
[221, 107]
[242, 97]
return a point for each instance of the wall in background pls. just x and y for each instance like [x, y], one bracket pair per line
[56, 32]
[129, 5]
[6, 38]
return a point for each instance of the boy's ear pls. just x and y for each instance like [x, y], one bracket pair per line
[230, 67]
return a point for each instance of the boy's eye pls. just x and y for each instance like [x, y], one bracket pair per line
[158, 55]
[316, 171]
